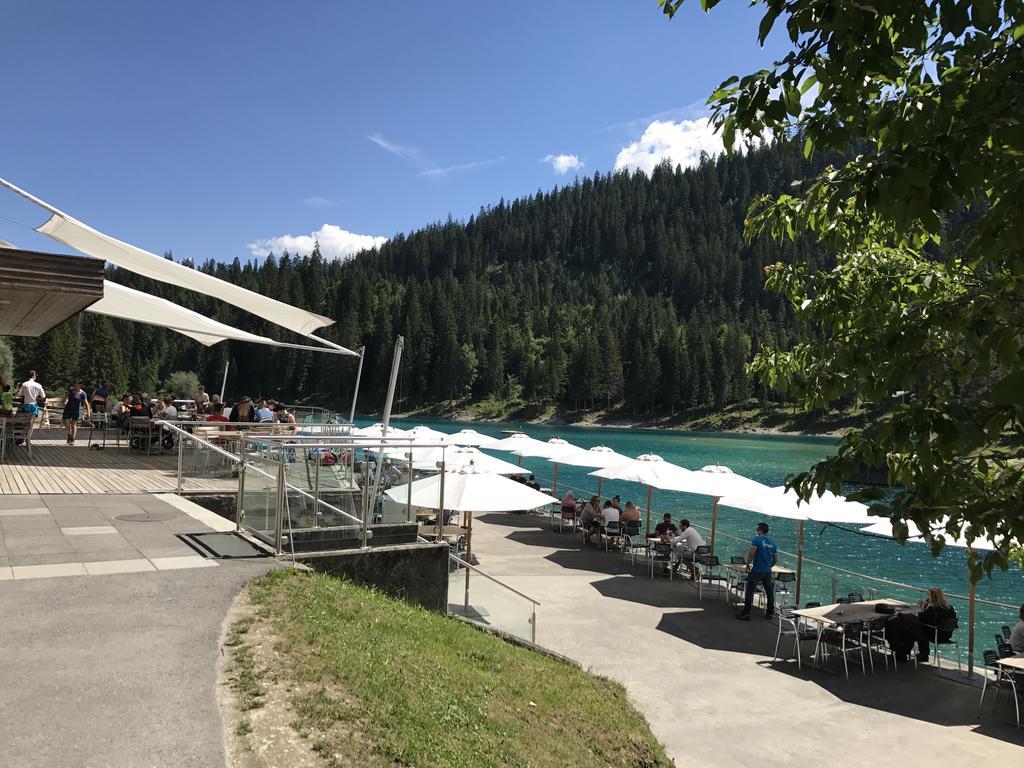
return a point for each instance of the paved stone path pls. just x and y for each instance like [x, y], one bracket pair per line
[706, 682]
[112, 669]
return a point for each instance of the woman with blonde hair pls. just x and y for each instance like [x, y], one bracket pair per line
[935, 621]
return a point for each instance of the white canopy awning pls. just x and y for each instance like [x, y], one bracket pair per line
[128, 304]
[68, 230]
[468, 490]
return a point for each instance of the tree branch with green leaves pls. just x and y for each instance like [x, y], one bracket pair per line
[922, 312]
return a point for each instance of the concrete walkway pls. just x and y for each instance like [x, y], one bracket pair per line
[706, 682]
[111, 670]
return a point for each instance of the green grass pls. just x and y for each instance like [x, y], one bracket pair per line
[384, 683]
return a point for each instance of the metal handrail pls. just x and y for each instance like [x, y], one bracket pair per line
[486, 575]
[252, 464]
[879, 580]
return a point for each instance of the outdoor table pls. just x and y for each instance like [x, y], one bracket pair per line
[741, 568]
[430, 531]
[1009, 665]
[841, 614]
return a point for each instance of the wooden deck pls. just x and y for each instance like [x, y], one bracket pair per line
[56, 467]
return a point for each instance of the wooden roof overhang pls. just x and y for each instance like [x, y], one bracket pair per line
[41, 290]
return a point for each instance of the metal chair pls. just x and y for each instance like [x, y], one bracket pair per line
[661, 552]
[782, 582]
[874, 639]
[791, 626]
[611, 532]
[143, 434]
[846, 640]
[19, 428]
[1006, 631]
[704, 564]
[948, 627]
[633, 543]
[1003, 680]
[855, 597]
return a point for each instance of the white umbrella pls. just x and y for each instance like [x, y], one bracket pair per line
[650, 470]
[454, 457]
[826, 508]
[597, 457]
[884, 528]
[471, 437]
[717, 481]
[517, 441]
[468, 490]
[426, 434]
[377, 430]
[551, 450]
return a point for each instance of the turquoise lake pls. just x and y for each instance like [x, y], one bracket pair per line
[769, 459]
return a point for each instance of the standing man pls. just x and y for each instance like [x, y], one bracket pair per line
[33, 399]
[73, 407]
[202, 400]
[760, 559]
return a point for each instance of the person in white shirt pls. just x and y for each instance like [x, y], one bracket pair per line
[610, 513]
[1017, 635]
[685, 544]
[31, 391]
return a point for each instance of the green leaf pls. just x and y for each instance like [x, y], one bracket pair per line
[1009, 390]
[766, 25]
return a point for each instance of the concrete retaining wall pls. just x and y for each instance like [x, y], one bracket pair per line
[414, 572]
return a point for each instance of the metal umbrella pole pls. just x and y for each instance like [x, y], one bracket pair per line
[355, 393]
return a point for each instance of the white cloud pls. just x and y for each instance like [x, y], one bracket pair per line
[681, 142]
[440, 173]
[562, 164]
[319, 202]
[404, 151]
[335, 243]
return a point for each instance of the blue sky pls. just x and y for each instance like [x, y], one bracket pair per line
[206, 127]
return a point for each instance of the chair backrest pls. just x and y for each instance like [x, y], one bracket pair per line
[613, 526]
[703, 549]
[786, 577]
[841, 601]
[990, 658]
[738, 560]
[631, 529]
[662, 548]
[855, 597]
[853, 627]
[812, 605]
[1006, 631]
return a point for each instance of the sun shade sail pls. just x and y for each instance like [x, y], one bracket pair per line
[128, 304]
[68, 230]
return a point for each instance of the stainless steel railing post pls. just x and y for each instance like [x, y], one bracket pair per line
[240, 503]
[279, 509]
[181, 458]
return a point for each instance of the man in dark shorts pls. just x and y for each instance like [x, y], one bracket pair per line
[76, 403]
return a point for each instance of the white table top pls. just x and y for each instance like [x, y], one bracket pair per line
[1017, 662]
[843, 613]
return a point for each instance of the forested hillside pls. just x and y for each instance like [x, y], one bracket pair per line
[617, 289]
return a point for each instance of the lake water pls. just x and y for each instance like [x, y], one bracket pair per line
[769, 459]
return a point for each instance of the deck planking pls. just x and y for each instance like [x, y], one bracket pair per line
[58, 468]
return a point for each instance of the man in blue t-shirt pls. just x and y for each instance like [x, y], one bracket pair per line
[760, 559]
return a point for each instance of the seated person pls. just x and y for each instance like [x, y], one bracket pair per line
[7, 399]
[666, 529]
[169, 410]
[591, 515]
[905, 629]
[568, 503]
[532, 483]
[264, 414]
[122, 411]
[616, 502]
[686, 543]
[143, 406]
[630, 519]
[610, 513]
[1017, 635]
[217, 413]
[285, 418]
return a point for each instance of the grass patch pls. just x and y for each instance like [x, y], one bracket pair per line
[379, 682]
[244, 727]
[244, 675]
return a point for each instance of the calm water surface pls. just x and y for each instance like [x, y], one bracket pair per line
[769, 459]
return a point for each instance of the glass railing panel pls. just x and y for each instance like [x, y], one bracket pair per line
[490, 603]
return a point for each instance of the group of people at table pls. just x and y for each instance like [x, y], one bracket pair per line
[81, 406]
[934, 619]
